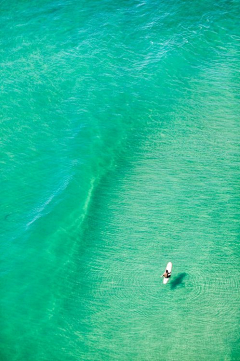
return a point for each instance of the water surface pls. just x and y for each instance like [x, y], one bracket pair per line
[119, 152]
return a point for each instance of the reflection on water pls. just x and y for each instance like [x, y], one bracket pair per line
[178, 281]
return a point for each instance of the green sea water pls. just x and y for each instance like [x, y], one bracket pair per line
[120, 151]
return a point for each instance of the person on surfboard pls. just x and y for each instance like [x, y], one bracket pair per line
[166, 274]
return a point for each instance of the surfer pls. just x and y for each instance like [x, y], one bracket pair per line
[166, 274]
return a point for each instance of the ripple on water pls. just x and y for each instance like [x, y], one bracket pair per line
[216, 297]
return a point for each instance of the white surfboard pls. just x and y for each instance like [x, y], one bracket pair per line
[169, 268]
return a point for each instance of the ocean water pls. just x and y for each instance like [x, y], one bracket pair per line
[120, 151]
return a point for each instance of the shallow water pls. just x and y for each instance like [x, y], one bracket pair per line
[120, 152]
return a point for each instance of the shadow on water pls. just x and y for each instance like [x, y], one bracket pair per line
[178, 281]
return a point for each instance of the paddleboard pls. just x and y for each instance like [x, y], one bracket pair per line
[169, 268]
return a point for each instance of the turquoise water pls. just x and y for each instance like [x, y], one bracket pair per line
[120, 152]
